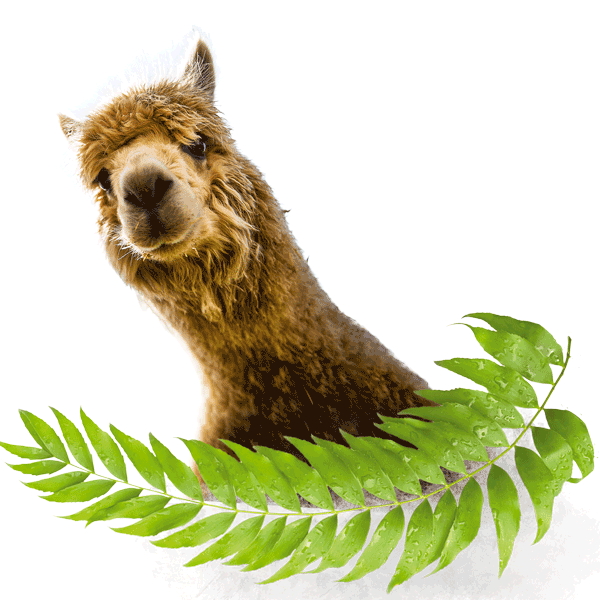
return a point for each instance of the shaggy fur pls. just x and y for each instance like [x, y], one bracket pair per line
[190, 224]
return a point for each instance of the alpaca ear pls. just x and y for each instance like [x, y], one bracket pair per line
[71, 128]
[200, 70]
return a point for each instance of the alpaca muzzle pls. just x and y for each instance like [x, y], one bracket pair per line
[146, 183]
[154, 206]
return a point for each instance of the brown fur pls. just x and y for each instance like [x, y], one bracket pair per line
[278, 356]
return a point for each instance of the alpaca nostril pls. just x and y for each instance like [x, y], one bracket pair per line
[134, 200]
[145, 188]
[161, 187]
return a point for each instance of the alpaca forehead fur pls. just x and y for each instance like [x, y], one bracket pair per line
[167, 108]
[278, 356]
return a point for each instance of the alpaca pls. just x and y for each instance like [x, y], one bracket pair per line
[191, 225]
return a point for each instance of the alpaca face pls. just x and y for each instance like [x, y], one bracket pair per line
[160, 190]
[173, 192]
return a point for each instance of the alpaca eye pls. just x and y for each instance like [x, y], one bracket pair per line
[103, 180]
[196, 150]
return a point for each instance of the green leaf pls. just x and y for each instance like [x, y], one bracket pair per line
[498, 380]
[465, 525]
[574, 430]
[81, 492]
[500, 411]
[200, 532]
[246, 487]
[540, 485]
[394, 461]
[335, 473]
[423, 466]
[384, 540]
[488, 432]
[41, 467]
[514, 352]
[290, 539]
[312, 547]
[106, 448]
[181, 476]
[465, 442]
[75, 441]
[536, 334]
[134, 508]
[28, 452]
[504, 503]
[426, 439]
[32, 431]
[443, 518]
[304, 479]
[365, 467]
[142, 459]
[261, 544]
[268, 475]
[44, 435]
[213, 470]
[556, 454]
[59, 482]
[167, 518]
[231, 542]
[348, 543]
[88, 513]
[417, 546]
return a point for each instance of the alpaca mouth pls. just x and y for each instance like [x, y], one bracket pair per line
[166, 250]
[169, 242]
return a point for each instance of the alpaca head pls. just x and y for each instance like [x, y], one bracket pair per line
[172, 190]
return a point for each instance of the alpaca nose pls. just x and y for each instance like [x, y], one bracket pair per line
[145, 184]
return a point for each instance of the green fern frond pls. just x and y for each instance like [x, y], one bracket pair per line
[459, 429]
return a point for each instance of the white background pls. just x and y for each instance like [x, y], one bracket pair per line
[438, 158]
